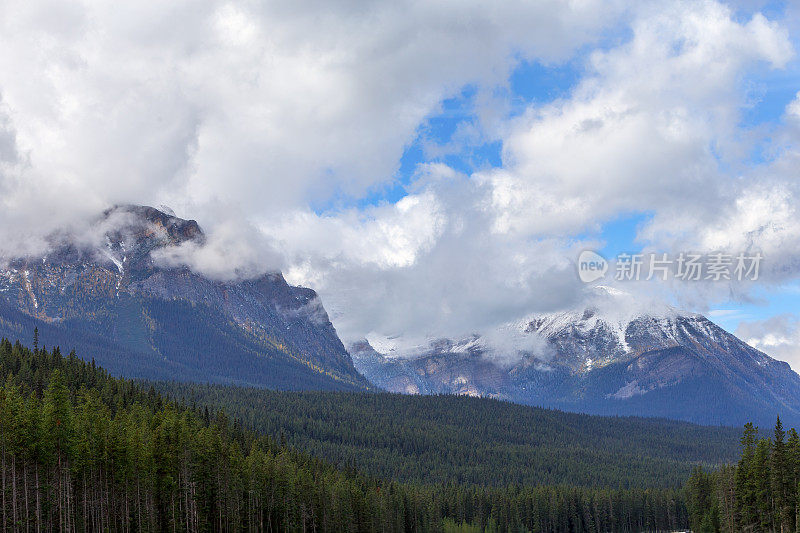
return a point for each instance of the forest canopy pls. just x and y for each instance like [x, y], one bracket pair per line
[81, 450]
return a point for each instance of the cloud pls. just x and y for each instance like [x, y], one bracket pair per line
[777, 336]
[429, 266]
[9, 155]
[233, 249]
[386, 236]
[651, 128]
[760, 214]
[646, 130]
[232, 107]
[258, 106]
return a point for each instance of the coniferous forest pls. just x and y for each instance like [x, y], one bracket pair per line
[83, 451]
[760, 493]
[466, 440]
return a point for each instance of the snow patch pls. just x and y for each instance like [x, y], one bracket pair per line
[114, 260]
[29, 288]
[628, 390]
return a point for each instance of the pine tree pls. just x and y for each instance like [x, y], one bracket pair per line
[793, 461]
[701, 502]
[746, 501]
[781, 481]
[761, 477]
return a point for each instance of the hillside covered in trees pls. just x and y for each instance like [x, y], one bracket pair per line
[760, 493]
[82, 451]
[474, 441]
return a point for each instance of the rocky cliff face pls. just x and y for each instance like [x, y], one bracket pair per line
[258, 331]
[672, 365]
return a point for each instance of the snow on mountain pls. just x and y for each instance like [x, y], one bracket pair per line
[108, 297]
[648, 359]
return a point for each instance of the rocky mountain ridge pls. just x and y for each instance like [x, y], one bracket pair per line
[114, 288]
[674, 365]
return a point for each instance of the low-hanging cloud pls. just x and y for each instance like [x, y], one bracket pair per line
[777, 336]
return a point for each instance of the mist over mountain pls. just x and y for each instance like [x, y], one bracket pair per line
[129, 296]
[666, 364]
[113, 299]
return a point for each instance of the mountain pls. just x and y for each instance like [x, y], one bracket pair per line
[671, 364]
[110, 298]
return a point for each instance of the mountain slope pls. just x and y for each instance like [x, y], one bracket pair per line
[673, 365]
[474, 441]
[141, 319]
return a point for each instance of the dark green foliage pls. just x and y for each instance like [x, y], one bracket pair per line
[701, 502]
[475, 441]
[759, 494]
[84, 451]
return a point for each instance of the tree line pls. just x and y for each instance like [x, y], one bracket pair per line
[760, 493]
[81, 450]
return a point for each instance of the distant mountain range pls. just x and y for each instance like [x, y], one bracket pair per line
[109, 299]
[112, 302]
[673, 365]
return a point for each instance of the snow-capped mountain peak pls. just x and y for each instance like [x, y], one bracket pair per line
[608, 361]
